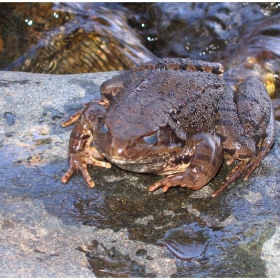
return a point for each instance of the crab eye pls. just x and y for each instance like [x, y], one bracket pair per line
[151, 139]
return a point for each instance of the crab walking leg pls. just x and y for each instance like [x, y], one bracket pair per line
[207, 158]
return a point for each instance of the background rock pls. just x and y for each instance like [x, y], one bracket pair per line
[49, 229]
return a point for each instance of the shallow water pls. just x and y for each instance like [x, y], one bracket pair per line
[65, 38]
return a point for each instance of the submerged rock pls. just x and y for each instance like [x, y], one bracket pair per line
[118, 228]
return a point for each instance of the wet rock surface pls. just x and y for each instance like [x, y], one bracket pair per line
[118, 228]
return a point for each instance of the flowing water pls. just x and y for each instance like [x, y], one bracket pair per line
[64, 38]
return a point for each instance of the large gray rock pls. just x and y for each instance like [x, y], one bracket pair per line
[118, 228]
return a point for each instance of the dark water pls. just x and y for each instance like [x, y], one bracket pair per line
[64, 38]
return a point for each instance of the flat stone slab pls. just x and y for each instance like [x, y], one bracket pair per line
[118, 228]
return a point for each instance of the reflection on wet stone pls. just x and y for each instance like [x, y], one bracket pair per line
[111, 263]
[187, 242]
[9, 134]
[55, 114]
[10, 118]
[141, 252]
[41, 139]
